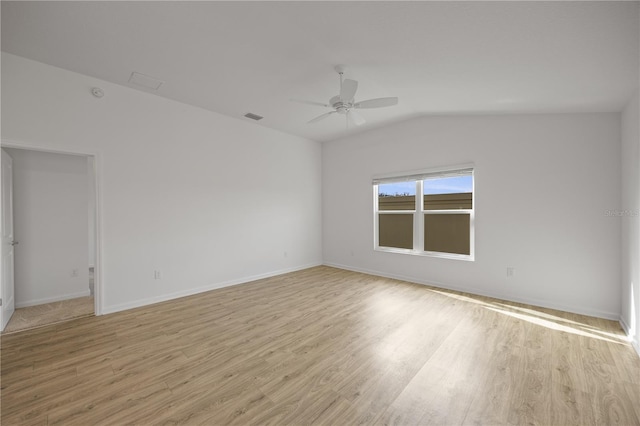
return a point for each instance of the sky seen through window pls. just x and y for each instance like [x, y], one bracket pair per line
[448, 185]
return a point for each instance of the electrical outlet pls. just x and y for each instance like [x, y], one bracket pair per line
[286, 254]
[510, 271]
[157, 275]
[74, 273]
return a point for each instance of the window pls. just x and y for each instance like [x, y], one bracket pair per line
[428, 213]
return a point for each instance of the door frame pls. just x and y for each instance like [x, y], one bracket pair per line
[97, 164]
[8, 300]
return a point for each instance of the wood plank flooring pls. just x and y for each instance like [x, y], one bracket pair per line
[323, 346]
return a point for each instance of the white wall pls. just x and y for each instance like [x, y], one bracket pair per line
[50, 223]
[542, 186]
[206, 199]
[630, 315]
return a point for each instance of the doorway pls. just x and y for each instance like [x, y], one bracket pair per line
[54, 237]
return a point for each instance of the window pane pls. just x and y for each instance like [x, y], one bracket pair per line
[448, 193]
[397, 196]
[395, 230]
[448, 201]
[447, 233]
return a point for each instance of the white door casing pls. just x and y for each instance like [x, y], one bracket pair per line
[7, 290]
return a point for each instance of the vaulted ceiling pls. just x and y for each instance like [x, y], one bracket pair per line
[437, 57]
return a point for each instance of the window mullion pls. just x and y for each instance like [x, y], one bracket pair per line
[418, 222]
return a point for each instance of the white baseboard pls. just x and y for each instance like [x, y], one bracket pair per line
[190, 292]
[541, 303]
[57, 298]
[632, 339]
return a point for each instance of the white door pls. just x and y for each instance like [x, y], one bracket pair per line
[6, 288]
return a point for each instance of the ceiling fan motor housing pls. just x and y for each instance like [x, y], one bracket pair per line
[340, 106]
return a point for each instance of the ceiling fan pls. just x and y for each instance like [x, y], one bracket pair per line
[345, 104]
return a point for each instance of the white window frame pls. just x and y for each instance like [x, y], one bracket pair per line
[419, 212]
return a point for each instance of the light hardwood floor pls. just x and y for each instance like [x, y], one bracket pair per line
[323, 346]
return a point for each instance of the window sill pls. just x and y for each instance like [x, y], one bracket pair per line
[439, 255]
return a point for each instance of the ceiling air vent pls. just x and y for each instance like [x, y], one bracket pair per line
[253, 116]
[145, 81]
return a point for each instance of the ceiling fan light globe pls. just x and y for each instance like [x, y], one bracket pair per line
[356, 118]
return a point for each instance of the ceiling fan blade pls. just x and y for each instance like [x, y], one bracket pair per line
[348, 90]
[321, 117]
[302, 101]
[356, 118]
[376, 103]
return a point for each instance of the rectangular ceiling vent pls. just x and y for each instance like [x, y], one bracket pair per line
[145, 81]
[253, 116]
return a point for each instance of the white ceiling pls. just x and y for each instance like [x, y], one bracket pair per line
[437, 57]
